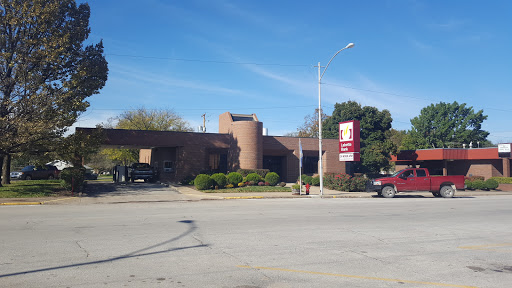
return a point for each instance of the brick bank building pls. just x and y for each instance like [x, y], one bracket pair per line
[240, 144]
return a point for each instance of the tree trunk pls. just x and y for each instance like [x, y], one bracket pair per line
[6, 170]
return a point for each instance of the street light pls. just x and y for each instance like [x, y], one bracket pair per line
[350, 45]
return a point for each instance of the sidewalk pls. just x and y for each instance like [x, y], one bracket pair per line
[161, 193]
[315, 193]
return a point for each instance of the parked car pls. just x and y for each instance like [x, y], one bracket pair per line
[16, 175]
[142, 171]
[89, 175]
[418, 179]
[32, 172]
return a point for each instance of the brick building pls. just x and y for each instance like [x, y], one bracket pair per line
[469, 162]
[240, 143]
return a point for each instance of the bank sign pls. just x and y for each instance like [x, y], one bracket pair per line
[349, 140]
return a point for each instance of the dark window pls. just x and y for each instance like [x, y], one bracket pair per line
[421, 173]
[310, 165]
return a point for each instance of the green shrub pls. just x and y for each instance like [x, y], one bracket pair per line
[491, 184]
[235, 178]
[272, 178]
[478, 185]
[73, 178]
[337, 181]
[203, 182]
[469, 185]
[187, 180]
[254, 177]
[503, 180]
[315, 181]
[220, 180]
[345, 182]
[307, 180]
[296, 186]
[357, 184]
[245, 172]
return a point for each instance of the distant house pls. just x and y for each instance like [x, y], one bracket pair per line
[240, 143]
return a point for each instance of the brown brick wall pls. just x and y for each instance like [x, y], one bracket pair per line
[248, 144]
[225, 122]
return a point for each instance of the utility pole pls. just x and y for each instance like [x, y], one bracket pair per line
[204, 122]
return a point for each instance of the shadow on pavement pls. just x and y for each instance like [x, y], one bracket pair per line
[101, 189]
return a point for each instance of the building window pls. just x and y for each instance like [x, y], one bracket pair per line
[168, 166]
[214, 161]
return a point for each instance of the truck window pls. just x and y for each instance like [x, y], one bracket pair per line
[408, 173]
[421, 173]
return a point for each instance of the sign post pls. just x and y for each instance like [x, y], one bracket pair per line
[349, 132]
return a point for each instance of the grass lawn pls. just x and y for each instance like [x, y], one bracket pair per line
[32, 188]
[250, 189]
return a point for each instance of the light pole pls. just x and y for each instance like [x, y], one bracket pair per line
[321, 172]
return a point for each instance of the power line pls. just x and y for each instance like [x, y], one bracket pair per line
[405, 96]
[214, 109]
[208, 61]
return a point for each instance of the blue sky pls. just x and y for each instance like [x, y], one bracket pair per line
[258, 57]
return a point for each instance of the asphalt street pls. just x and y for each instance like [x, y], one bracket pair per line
[311, 242]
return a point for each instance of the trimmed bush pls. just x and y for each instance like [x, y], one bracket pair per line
[272, 178]
[357, 184]
[315, 181]
[282, 184]
[307, 180]
[235, 178]
[469, 185]
[491, 184]
[220, 179]
[245, 172]
[344, 182]
[230, 186]
[187, 180]
[203, 182]
[253, 177]
[241, 184]
[503, 180]
[261, 183]
[296, 186]
[73, 178]
[478, 184]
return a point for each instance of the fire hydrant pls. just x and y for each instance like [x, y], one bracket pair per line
[307, 188]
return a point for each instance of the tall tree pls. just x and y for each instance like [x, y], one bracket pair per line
[376, 145]
[46, 72]
[310, 127]
[445, 125]
[143, 119]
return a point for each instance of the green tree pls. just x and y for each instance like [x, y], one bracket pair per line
[143, 119]
[46, 72]
[376, 145]
[445, 125]
[310, 127]
[78, 148]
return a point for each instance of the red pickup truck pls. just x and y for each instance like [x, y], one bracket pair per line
[418, 179]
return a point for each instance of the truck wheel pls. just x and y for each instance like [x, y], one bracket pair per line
[447, 191]
[388, 192]
[436, 194]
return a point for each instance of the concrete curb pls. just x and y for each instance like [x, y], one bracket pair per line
[22, 203]
[35, 203]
